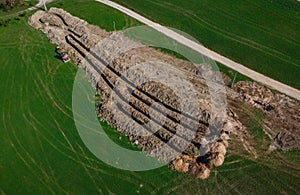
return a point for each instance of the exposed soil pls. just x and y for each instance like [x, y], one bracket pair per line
[108, 67]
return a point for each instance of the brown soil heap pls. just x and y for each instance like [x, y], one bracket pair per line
[107, 68]
[283, 110]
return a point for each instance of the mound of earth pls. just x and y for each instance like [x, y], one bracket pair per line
[110, 60]
[282, 112]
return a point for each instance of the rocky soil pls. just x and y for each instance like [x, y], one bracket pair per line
[110, 62]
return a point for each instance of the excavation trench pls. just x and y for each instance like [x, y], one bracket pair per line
[141, 115]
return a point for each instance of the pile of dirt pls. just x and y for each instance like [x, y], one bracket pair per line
[282, 112]
[285, 140]
[153, 115]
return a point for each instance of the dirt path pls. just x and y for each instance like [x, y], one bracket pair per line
[283, 88]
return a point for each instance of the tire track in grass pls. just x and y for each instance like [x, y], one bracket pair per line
[235, 164]
[285, 166]
[12, 132]
[33, 119]
[172, 188]
[14, 45]
[232, 184]
[265, 164]
[26, 152]
[2, 191]
[45, 88]
[259, 27]
[7, 119]
[245, 41]
[92, 162]
[288, 167]
[52, 101]
[128, 177]
[54, 137]
[268, 179]
[76, 154]
[253, 179]
[54, 146]
[233, 17]
[215, 177]
[273, 181]
[55, 92]
[234, 169]
[89, 166]
[36, 120]
[180, 177]
[234, 178]
[247, 178]
[22, 98]
[50, 170]
[19, 155]
[274, 12]
[281, 163]
[31, 166]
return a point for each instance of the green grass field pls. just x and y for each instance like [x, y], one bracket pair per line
[264, 35]
[41, 151]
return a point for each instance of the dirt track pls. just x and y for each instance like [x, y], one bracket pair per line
[283, 88]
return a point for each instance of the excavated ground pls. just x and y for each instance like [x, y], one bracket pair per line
[106, 65]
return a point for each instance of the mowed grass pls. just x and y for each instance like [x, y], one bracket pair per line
[41, 151]
[263, 35]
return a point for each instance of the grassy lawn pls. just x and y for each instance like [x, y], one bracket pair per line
[41, 151]
[264, 35]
